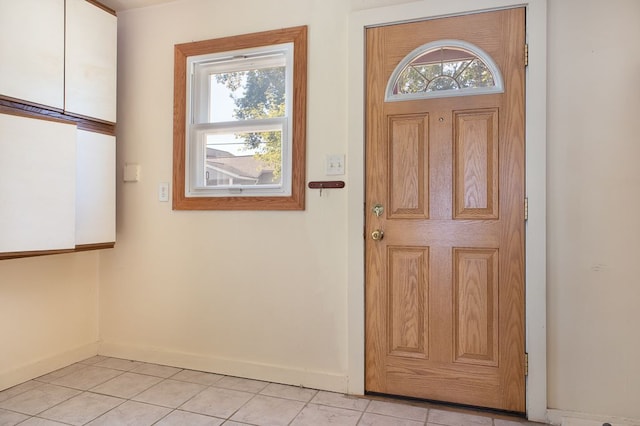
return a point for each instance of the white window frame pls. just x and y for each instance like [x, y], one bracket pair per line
[498, 86]
[198, 126]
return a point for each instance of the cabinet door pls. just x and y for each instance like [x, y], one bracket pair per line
[37, 184]
[32, 51]
[96, 188]
[90, 62]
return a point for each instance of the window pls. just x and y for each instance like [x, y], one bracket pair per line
[444, 68]
[240, 122]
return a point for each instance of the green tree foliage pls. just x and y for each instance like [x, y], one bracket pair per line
[262, 95]
[450, 75]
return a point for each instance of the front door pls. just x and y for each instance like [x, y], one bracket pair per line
[445, 214]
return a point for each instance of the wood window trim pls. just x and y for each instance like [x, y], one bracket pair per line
[296, 201]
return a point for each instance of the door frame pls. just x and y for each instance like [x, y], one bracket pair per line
[535, 152]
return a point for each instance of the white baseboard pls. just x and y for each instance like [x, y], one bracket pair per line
[571, 418]
[22, 373]
[231, 367]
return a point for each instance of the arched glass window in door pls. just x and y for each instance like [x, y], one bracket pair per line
[444, 68]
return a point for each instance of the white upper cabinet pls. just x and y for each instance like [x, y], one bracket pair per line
[96, 188]
[32, 51]
[37, 184]
[90, 61]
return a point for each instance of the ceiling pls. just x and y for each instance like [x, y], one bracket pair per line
[119, 5]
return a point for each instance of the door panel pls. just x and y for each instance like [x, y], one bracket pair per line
[409, 167]
[445, 286]
[476, 160]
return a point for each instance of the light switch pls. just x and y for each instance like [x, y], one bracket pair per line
[334, 164]
[163, 192]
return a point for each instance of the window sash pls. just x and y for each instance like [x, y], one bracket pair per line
[202, 67]
[197, 149]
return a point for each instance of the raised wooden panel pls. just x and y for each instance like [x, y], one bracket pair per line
[408, 301]
[408, 166]
[475, 286]
[476, 164]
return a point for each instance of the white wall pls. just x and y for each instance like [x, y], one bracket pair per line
[48, 314]
[258, 294]
[593, 204]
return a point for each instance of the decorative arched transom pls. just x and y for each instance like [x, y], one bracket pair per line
[444, 68]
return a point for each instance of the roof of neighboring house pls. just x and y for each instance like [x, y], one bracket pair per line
[242, 166]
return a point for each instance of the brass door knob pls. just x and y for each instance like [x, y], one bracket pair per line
[377, 235]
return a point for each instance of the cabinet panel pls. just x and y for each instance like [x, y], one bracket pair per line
[37, 184]
[96, 188]
[32, 51]
[90, 62]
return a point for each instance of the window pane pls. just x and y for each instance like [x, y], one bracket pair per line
[252, 94]
[442, 69]
[244, 158]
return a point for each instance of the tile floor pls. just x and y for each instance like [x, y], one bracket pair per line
[111, 391]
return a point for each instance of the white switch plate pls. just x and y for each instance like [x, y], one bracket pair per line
[163, 192]
[334, 164]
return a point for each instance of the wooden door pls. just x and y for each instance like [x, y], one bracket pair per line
[445, 284]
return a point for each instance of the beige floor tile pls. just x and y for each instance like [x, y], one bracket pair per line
[523, 422]
[39, 399]
[289, 392]
[169, 393]
[87, 377]
[217, 402]
[315, 415]
[240, 384]
[118, 364]
[82, 408]
[340, 400]
[18, 389]
[183, 418]
[9, 418]
[199, 377]
[451, 418]
[169, 396]
[48, 378]
[94, 360]
[393, 409]
[127, 385]
[156, 370]
[131, 413]
[370, 419]
[268, 411]
[35, 421]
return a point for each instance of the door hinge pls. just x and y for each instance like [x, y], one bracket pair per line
[526, 208]
[526, 364]
[526, 55]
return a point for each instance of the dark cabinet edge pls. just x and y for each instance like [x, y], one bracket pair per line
[77, 249]
[102, 6]
[17, 107]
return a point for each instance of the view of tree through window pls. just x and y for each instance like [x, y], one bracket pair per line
[443, 69]
[258, 94]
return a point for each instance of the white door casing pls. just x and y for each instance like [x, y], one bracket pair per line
[535, 181]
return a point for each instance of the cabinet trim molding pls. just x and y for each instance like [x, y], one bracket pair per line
[11, 106]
